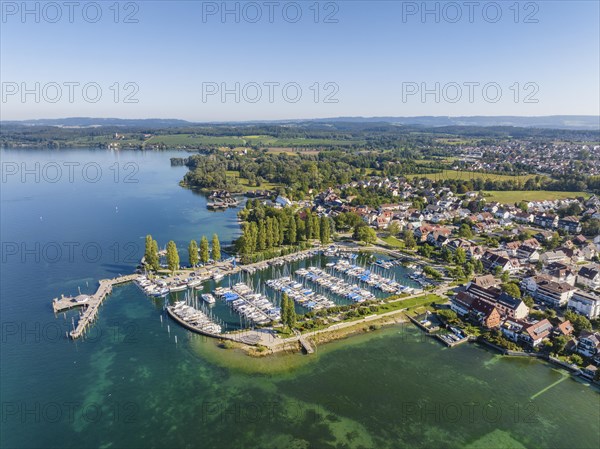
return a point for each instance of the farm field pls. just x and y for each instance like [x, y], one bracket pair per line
[194, 139]
[515, 196]
[462, 175]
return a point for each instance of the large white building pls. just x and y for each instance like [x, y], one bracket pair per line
[585, 303]
[589, 276]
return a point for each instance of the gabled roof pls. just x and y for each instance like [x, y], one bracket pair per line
[485, 281]
[565, 328]
[485, 308]
[588, 272]
[539, 330]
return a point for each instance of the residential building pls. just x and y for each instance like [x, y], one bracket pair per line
[589, 276]
[535, 333]
[585, 303]
[570, 225]
[588, 343]
[543, 289]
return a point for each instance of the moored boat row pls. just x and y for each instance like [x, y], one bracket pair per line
[299, 294]
[335, 285]
[194, 318]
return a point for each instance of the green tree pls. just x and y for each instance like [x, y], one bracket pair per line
[151, 254]
[478, 264]
[301, 229]
[505, 276]
[216, 248]
[316, 227]
[325, 226]
[528, 300]
[394, 228]
[285, 300]
[292, 232]
[460, 256]
[269, 236]
[426, 250]
[262, 236]
[204, 253]
[576, 359]
[309, 227]
[366, 234]
[447, 315]
[469, 269]
[172, 256]
[409, 239]
[465, 231]
[459, 273]
[559, 343]
[291, 314]
[579, 322]
[512, 289]
[193, 253]
[447, 255]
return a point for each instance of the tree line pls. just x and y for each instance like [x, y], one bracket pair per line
[196, 254]
[266, 227]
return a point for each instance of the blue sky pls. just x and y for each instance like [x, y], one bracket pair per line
[375, 60]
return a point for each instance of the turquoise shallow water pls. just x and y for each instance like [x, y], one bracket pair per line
[130, 385]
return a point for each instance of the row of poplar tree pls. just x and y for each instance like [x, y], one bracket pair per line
[288, 312]
[196, 255]
[271, 232]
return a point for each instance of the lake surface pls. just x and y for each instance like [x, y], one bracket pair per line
[128, 384]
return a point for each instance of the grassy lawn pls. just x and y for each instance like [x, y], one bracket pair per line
[411, 303]
[394, 242]
[468, 175]
[515, 196]
[247, 187]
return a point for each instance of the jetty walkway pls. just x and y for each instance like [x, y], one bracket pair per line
[90, 303]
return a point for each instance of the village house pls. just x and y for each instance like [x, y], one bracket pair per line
[511, 329]
[535, 333]
[554, 256]
[589, 277]
[559, 272]
[588, 343]
[492, 260]
[527, 254]
[523, 217]
[570, 225]
[485, 314]
[546, 221]
[565, 328]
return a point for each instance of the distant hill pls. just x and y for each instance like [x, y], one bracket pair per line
[573, 122]
[90, 122]
[551, 121]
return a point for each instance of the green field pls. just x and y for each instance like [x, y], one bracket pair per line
[514, 196]
[411, 303]
[468, 175]
[315, 142]
[394, 242]
[258, 140]
[194, 140]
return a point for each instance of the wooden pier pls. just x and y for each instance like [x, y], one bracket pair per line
[90, 303]
[306, 345]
